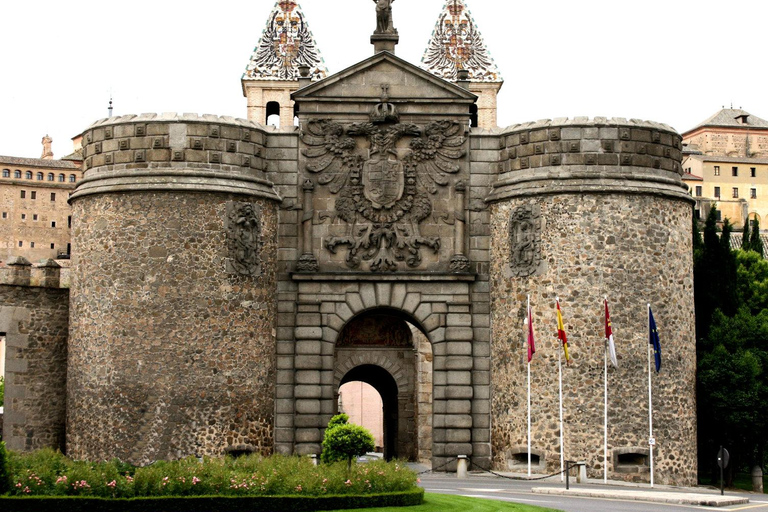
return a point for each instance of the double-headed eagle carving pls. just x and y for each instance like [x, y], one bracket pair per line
[383, 188]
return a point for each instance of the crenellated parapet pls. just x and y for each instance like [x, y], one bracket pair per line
[590, 155]
[183, 152]
[18, 271]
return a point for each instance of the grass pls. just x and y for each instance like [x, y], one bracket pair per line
[744, 481]
[451, 503]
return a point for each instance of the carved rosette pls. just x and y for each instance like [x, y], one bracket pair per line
[525, 240]
[383, 192]
[243, 239]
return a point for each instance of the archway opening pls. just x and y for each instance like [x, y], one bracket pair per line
[273, 114]
[364, 406]
[387, 350]
[388, 415]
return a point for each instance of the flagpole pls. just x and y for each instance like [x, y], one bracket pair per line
[529, 394]
[605, 410]
[650, 399]
[562, 446]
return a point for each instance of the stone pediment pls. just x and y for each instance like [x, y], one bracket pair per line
[364, 81]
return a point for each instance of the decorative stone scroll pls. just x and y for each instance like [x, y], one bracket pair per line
[243, 239]
[525, 240]
[384, 192]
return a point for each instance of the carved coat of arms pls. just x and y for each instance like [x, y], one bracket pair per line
[383, 188]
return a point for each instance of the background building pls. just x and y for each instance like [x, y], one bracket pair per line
[35, 217]
[726, 161]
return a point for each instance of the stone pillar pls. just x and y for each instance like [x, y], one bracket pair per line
[582, 209]
[174, 291]
[308, 392]
[51, 274]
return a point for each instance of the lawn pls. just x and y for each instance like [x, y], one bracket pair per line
[451, 503]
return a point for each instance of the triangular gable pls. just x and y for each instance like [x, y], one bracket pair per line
[285, 44]
[403, 78]
[456, 43]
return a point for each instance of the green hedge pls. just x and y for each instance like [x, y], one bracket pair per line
[211, 503]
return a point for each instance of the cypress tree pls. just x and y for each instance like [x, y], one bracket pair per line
[755, 242]
[745, 240]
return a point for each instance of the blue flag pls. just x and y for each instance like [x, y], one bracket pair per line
[653, 339]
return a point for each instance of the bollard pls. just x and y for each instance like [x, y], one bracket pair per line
[461, 467]
[581, 476]
[757, 479]
[314, 459]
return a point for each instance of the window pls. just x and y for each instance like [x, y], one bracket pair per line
[21, 244]
[23, 194]
[28, 175]
[753, 172]
[753, 193]
[34, 216]
[719, 216]
[72, 178]
[5, 215]
[717, 193]
[62, 178]
[53, 224]
[39, 176]
[69, 222]
[6, 173]
[53, 196]
[698, 190]
[50, 176]
[53, 246]
[717, 170]
[17, 174]
[734, 171]
[32, 245]
[735, 193]
[23, 216]
[33, 195]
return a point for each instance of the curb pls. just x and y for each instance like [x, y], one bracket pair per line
[650, 496]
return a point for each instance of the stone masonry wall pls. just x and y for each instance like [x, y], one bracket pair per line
[172, 348]
[596, 230]
[35, 321]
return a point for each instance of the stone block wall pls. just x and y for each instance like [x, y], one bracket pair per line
[584, 210]
[172, 346]
[35, 321]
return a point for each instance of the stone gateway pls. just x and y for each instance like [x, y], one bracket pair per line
[228, 277]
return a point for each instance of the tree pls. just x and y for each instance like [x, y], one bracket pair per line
[755, 242]
[745, 240]
[345, 441]
[5, 472]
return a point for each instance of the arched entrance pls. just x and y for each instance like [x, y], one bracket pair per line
[385, 385]
[384, 349]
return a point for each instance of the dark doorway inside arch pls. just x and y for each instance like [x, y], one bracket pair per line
[473, 119]
[385, 385]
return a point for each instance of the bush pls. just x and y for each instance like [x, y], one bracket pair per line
[344, 441]
[5, 473]
[49, 473]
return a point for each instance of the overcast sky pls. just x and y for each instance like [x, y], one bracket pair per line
[673, 61]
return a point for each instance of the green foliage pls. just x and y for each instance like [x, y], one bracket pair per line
[339, 419]
[5, 474]
[745, 241]
[344, 441]
[49, 473]
[755, 242]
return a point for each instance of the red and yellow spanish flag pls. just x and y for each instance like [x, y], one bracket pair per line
[561, 333]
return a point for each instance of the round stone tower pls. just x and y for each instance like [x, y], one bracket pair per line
[173, 298]
[584, 210]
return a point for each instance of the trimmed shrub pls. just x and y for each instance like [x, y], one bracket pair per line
[49, 473]
[344, 441]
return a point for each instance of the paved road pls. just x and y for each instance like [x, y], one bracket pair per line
[520, 492]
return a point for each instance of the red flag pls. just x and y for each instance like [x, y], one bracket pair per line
[531, 344]
[561, 333]
[609, 337]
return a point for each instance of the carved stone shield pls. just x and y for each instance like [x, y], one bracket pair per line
[383, 182]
